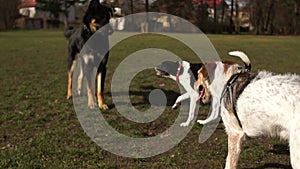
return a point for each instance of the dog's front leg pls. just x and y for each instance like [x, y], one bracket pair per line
[193, 105]
[180, 99]
[90, 85]
[235, 141]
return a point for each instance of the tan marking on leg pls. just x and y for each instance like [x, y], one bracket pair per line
[101, 103]
[235, 141]
[90, 89]
[70, 76]
[79, 80]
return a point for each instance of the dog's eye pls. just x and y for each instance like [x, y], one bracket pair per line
[240, 69]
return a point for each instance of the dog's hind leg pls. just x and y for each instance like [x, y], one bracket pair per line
[100, 88]
[214, 114]
[71, 67]
[235, 141]
[180, 99]
[294, 141]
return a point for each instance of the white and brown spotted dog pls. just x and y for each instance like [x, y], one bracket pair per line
[185, 74]
[253, 104]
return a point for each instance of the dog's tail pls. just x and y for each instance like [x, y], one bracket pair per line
[244, 58]
[69, 31]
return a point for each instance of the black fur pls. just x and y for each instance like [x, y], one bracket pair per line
[194, 68]
[168, 68]
[78, 37]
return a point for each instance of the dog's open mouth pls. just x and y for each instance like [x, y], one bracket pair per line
[201, 94]
[160, 72]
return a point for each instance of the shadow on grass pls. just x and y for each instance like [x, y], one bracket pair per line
[273, 165]
[143, 93]
[280, 149]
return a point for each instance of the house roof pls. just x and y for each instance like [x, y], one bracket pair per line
[27, 3]
[242, 3]
[209, 2]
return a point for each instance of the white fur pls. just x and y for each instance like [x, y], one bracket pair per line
[184, 80]
[269, 106]
[216, 88]
[241, 55]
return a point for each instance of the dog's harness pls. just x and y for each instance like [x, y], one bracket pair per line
[228, 89]
[234, 88]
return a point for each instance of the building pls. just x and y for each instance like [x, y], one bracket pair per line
[27, 8]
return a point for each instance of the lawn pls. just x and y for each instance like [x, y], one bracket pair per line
[39, 127]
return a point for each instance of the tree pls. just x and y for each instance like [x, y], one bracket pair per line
[215, 11]
[275, 16]
[231, 17]
[8, 13]
[237, 17]
[55, 7]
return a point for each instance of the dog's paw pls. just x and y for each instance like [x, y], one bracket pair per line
[69, 97]
[79, 92]
[174, 106]
[185, 124]
[92, 105]
[103, 106]
[201, 121]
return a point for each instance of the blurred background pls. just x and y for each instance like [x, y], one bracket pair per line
[268, 17]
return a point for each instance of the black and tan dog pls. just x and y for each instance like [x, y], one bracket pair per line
[96, 16]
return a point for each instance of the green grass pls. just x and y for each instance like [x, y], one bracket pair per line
[39, 127]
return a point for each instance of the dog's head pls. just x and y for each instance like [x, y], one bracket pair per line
[97, 15]
[173, 70]
[213, 76]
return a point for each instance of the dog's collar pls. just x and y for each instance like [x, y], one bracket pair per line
[178, 72]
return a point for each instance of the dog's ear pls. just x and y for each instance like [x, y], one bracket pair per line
[94, 3]
[88, 18]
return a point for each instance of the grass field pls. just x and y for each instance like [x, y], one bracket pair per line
[39, 127]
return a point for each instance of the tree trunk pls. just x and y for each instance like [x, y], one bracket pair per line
[8, 13]
[266, 28]
[223, 10]
[215, 11]
[66, 13]
[131, 6]
[258, 16]
[231, 18]
[237, 17]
